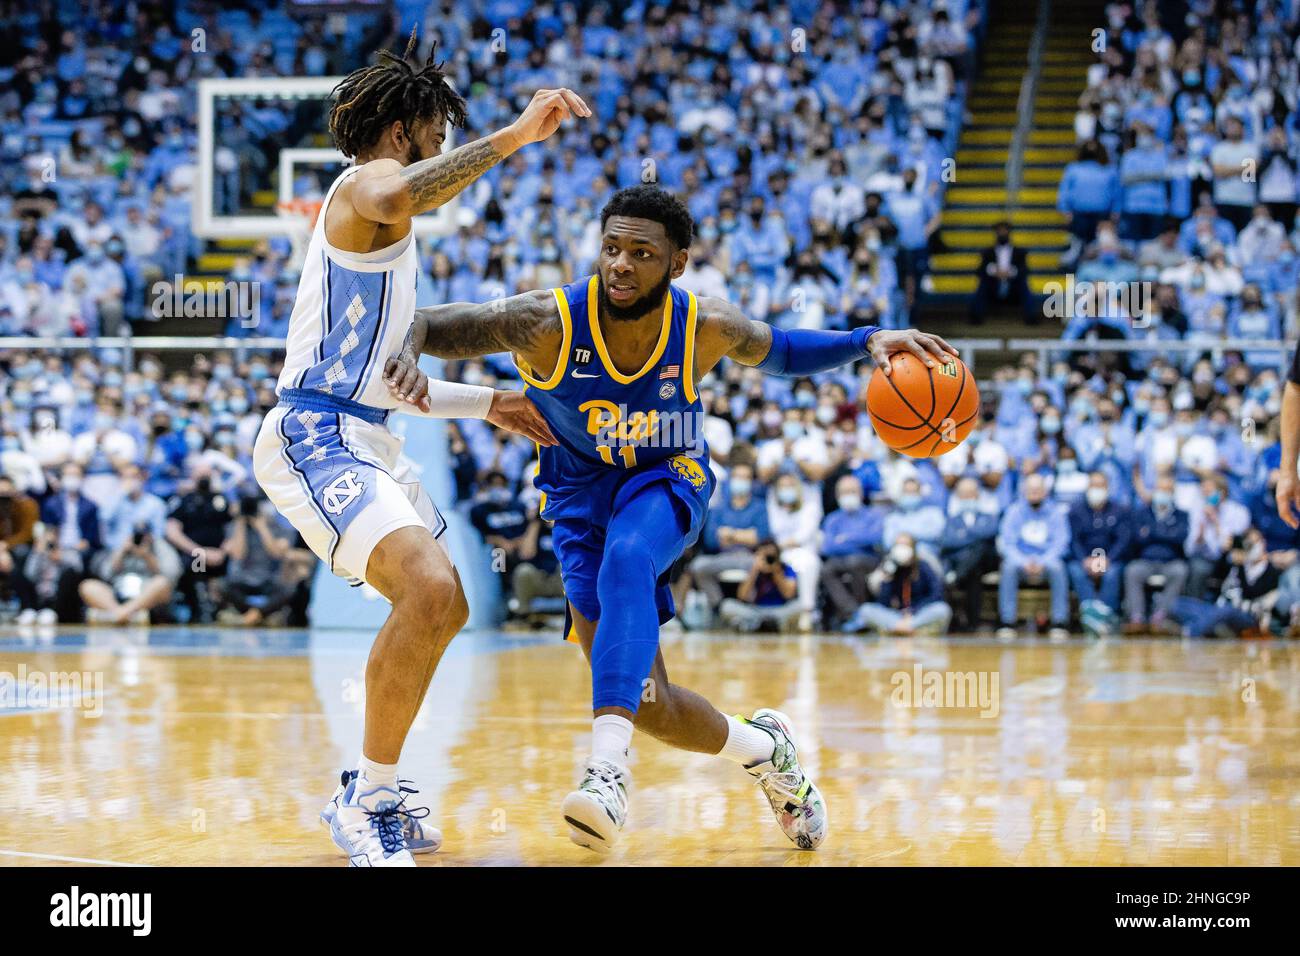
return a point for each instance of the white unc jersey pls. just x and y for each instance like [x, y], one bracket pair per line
[352, 312]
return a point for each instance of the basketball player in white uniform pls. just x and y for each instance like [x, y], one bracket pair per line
[324, 455]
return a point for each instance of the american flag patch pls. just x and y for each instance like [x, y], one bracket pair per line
[670, 371]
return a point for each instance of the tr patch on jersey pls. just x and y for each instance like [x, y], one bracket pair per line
[582, 356]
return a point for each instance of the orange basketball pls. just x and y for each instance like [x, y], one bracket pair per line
[923, 412]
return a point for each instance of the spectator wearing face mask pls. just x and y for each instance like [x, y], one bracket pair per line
[164, 455]
[1144, 195]
[733, 529]
[1254, 319]
[968, 549]
[1089, 192]
[1214, 522]
[909, 596]
[1100, 536]
[1003, 276]
[1246, 599]
[133, 509]
[923, 523]
[73, 519]
[1033, 541]
[794, 516]
[804, 446]
[18, 464]
[1234, 193]
[199, 528]
[49, 444]
[851, 541]
[1159, 547]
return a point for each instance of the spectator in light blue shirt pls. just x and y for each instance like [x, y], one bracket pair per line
[1089, 192]
[911, 516]
[1144, 200]
[136, 508]
[761, 241]
[1033, 540]
[735, 527]
[851, 536]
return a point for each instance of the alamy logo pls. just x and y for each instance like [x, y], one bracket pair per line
[103, 909]
[341, 492]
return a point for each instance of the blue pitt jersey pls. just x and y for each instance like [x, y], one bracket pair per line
[608, 423]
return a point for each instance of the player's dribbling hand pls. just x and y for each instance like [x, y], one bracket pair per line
[545, 112]
[515, 412]
[406, 382]
[1288, 500]
[930, 349]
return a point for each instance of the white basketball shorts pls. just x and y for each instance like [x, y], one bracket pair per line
[342, 482]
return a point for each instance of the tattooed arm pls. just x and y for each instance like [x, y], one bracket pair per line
[398, 192]
[527, 325]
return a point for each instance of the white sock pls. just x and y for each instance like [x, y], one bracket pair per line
[381, 773]
[746, 744]
[611, 735]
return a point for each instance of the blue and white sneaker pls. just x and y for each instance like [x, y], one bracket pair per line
[421, 836]
[369, 826]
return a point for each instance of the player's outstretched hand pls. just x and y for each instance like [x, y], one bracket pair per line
[515, 412]
[930, 349]
[1288, 500]
[406, 382]
[545, 112]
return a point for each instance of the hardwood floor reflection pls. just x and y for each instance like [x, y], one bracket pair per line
[220, 747]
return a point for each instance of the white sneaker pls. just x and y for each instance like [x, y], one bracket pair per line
[1058, 634]
[368, 826]
[596, 811]
[421, 837]
[47, 616]
[795, 799]
[26, 616]
[1006, 634]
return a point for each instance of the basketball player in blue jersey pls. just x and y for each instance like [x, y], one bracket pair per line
[612, 362]
[325, 456]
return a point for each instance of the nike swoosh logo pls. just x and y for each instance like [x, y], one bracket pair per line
[576, 374]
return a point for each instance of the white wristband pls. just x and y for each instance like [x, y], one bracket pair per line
[453, 400]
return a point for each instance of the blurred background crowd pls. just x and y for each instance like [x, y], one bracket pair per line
[1128, 492]
[1186, 177]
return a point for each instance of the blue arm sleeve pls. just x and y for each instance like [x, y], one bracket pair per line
[806, 351]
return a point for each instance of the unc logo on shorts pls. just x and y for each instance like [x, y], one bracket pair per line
[341, 492]
[688, 469]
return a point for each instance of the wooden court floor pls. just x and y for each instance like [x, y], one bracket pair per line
[192, 747]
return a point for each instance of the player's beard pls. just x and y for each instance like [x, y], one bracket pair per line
[638, 307]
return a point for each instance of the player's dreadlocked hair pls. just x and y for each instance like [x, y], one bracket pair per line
[372, 98]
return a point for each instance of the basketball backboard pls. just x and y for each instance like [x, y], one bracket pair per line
[307, 151]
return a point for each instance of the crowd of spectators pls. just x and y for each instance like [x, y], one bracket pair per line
[1092, 497]
[128, 497]
[808, 142]
[1187, 173]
